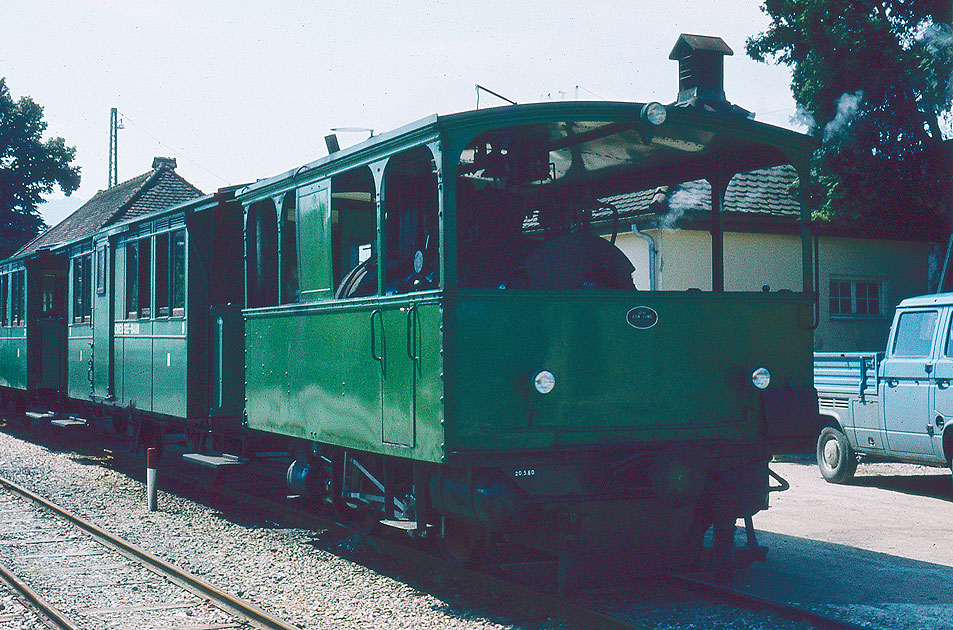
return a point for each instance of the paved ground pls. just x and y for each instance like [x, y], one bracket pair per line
[877, 552]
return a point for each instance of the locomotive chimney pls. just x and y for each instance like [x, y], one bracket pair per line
[701, 69]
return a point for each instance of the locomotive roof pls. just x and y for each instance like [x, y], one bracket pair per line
[775, 145]
[145, 194]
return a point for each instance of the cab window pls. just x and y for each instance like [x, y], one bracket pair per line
[354, 233]
[411, 239]
[914, 336]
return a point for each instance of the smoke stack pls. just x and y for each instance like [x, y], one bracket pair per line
[701, 68]
[163, 162]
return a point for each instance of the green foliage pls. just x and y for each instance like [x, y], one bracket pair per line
[29, 168]
[875, 78]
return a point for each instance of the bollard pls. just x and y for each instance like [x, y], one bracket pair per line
[152, 462]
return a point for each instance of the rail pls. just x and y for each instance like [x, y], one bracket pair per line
[181, 578]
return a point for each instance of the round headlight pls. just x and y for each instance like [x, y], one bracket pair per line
[544, 382]
[655, 113]
[761, 378]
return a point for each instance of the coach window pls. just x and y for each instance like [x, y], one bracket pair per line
[51, 295]
[177, 278]
[138, 259]
[162, 275]
[354, 233]
[101, 270]
[170, 274]
[82, 290]
[411, 223]
[4, 294]
[289, 249]
[16, 306]
[132, 280]
[261, 255]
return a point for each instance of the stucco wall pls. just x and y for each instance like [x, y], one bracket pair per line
[902, 266]
[683, 261]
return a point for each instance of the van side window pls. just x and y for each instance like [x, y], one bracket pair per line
[914, 336]
[948, 350]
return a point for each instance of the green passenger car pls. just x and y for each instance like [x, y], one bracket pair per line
[439, 320]
[152, 315]
[13, 327]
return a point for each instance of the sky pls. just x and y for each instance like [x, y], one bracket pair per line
[240, 90]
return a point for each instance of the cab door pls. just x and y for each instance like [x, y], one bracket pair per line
[908, 372]
[398, 326]
[411, 272]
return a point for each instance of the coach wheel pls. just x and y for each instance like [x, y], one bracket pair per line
[361, 518]
[835, 457]
[461, 543]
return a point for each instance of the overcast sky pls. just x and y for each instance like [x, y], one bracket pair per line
[241, 90]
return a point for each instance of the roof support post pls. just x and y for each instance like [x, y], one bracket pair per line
[719, 184]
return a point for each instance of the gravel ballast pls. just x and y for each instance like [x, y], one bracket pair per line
[281, 570]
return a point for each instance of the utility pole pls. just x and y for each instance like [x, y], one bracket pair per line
[114, 127]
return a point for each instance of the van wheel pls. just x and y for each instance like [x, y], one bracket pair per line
[835, 457]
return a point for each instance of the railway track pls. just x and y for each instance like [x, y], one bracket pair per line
[584, 612]
[80, 577]
[592, 609]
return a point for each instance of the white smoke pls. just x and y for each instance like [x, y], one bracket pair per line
[848, 105]
[937, 37]
[803, 119]
[679, 203]
[938, 40]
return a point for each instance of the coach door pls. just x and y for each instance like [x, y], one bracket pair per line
[102, 315]
[49, 345]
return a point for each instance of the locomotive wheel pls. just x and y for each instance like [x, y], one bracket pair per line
[835, 457]
[462, 543]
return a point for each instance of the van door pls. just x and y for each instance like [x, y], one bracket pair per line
[941, 386]
[905, 387]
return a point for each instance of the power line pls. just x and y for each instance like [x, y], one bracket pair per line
[125, 118]
[580, 87]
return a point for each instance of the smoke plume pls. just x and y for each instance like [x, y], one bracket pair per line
[848, 106]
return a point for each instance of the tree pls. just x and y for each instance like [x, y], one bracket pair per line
[29, 169]
[876, 79]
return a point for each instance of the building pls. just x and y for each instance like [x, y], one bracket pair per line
[862, 276]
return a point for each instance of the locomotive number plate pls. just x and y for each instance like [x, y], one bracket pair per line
[641, 317]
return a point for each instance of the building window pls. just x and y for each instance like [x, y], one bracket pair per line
[856, 298]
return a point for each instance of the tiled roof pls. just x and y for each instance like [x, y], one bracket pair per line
[156, 190]
[766, 192]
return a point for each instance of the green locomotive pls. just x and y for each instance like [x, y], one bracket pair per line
[449, 334]
[441, 325]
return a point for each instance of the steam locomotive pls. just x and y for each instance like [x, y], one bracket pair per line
[455, 328]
